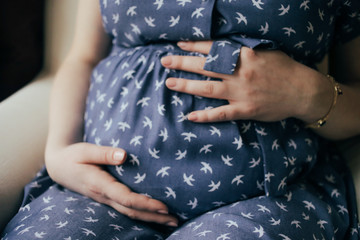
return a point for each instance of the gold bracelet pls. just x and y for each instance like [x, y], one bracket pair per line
[337, 92]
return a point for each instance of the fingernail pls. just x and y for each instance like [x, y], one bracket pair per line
[163, 212]
[182, 44]
[166, 61]
[172, 224]
[192, 116]
[170, 82]
[118, 156]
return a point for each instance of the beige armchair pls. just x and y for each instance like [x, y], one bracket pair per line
[23, 116]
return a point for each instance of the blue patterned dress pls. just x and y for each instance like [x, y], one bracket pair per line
[228, 180]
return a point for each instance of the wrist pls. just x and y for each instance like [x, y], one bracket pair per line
[337, 91]
[318, 97]
[54, 146]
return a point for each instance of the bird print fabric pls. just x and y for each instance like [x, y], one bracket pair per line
[227, 180]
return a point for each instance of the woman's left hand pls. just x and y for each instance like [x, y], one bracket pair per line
[266, 85]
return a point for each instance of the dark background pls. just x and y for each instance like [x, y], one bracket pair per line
[21, 43]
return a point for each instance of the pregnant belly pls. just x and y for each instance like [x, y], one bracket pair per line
[191, 167]
[196, 169]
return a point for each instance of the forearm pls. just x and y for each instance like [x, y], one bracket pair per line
[67, 103]
[71, 84]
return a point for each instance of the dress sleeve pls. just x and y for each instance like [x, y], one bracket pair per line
[347, 25]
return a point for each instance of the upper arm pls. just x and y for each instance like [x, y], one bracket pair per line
[90, 43]
[344, 62]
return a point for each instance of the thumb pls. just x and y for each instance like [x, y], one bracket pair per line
[95, 154]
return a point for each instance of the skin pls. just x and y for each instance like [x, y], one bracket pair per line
[257, 90]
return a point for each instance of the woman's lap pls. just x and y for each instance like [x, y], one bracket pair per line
[58, 213]
[288, 217]
[309, 210]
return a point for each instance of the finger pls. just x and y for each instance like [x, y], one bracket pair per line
[209, 89]
[102, 184]
[189, 64]
[196, 46]
[146, 216]
[103, 155]
[219, 114]
[102, 187]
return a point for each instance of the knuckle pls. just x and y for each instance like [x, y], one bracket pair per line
[100, 199]
[182, 85]
[177, 62]
[104, 156]
[222, 116]
[199, 66]
[107, 155]
[251, 110]
[132, 214]
[95, 189]
[127, 202]
[248, 53]
[209, 88]
[203, 116]
[231, 114]
[249, 94]
[101, 191]
[248, 74]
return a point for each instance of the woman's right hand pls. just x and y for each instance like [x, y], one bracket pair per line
[78, 168]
